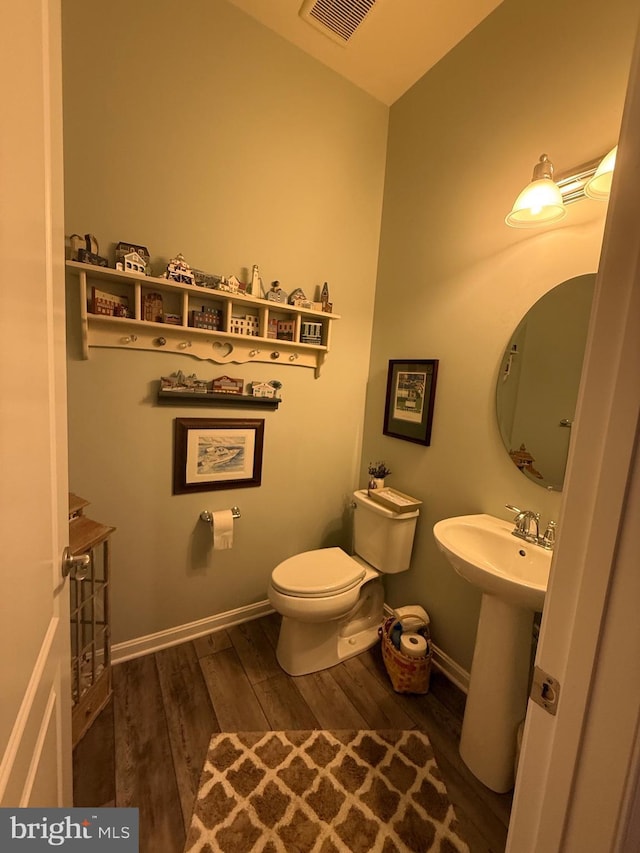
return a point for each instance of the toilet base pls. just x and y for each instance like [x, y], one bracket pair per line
[305, 647]
[315, 650]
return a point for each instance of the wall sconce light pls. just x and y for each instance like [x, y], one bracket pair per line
[599, 185]
[540, 202]
[544, 200]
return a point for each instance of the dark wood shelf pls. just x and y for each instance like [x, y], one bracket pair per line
[190, 398]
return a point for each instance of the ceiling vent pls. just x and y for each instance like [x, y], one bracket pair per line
[337, 19]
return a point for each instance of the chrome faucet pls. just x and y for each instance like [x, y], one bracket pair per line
[524, 520]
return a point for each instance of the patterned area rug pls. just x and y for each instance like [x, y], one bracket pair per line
[322, 792]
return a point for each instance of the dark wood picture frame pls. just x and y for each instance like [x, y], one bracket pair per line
[411, 392]
[216, 453]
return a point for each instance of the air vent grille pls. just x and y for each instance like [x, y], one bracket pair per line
[338, 19]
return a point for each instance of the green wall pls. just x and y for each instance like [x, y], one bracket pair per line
[454, 280]
[191, 128]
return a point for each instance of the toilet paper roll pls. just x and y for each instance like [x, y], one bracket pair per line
[222, 528]
[412, 617]
[413, 645]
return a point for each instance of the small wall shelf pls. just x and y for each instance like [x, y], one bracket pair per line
[181, 300]
[187, 398]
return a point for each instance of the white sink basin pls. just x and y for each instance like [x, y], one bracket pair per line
[482, 549]
[512, 576]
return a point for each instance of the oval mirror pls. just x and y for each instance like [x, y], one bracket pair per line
[537, 386]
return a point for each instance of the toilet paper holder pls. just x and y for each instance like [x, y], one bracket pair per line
[207, 515]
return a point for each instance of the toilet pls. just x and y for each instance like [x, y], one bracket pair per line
[332, 603]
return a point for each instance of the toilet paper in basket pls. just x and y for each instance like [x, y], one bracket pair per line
[412, 620]
[413, 617]
[413, 645]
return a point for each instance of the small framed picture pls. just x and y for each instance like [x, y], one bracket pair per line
[411, 391]
[216, 453]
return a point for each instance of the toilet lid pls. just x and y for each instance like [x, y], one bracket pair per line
[325, 571]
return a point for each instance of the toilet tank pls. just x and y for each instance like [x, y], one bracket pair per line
[381, 537]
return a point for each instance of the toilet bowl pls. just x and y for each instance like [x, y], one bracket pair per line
[332, 603]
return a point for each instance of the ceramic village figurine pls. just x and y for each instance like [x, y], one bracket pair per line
[297, 297]
[276, 294]
[255, 285]
[179, 270]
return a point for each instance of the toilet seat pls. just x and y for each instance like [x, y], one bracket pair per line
[318, 573]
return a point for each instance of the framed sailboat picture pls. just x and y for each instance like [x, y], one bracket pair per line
[216, 453]
[411, 392]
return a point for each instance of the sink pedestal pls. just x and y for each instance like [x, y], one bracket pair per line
[512, 575]
[498, 690]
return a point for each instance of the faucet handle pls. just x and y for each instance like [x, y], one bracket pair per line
[548, 538]
[522, 518]
[514, 509]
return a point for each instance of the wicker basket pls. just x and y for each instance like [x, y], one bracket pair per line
[408, 675]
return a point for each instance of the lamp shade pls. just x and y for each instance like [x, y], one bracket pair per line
[599, 185]
[539, 203]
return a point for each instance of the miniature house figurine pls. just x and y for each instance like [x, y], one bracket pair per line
[229, 285]
[297, 297]
[264, 389]
[227, 385]
[206, 319]
[272, 327]
[133, 262]
[311, 333]
[179, 270]
[206, 279]
[246, 325]
[124, 250]
[324, 299]
[152, 307]
[276, 294]
[285, 330]
[178, 382]
[108, 304]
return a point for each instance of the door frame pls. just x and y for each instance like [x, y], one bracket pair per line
[580, 770]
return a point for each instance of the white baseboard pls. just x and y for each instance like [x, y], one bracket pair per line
[449, 668]
[151, 643]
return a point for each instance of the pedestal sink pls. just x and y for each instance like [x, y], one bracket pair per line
[512, 576]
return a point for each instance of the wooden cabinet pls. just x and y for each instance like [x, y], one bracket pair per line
[90, 630]
[162, 315]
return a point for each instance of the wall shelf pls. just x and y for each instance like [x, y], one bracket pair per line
[181, 300]
[192, 398]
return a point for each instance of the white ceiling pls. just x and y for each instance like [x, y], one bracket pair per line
[395, 45]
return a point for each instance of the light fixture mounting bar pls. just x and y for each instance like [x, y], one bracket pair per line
[571, 182]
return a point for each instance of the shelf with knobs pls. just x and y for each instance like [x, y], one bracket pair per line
[124, 298]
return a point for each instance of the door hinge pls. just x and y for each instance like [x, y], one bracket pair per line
[545, 690]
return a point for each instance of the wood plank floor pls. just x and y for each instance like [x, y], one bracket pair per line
[147, 747]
